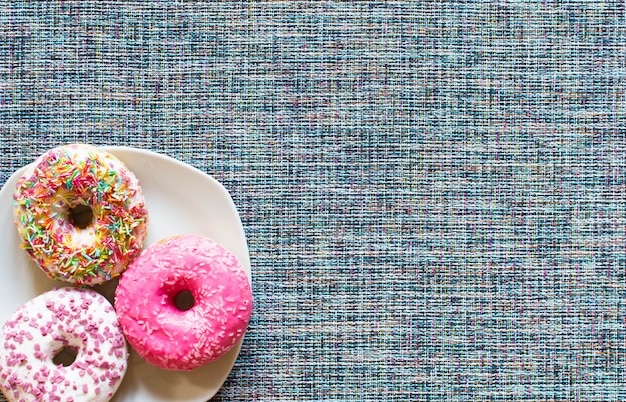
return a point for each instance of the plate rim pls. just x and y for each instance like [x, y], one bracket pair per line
[217, 183]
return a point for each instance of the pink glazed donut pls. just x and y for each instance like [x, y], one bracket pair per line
[80, 320]
[184, 302]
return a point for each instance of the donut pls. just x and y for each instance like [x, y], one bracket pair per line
[81, 214]
[62, 320]
[184, 302]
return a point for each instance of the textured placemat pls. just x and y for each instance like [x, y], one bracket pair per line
[433, 192]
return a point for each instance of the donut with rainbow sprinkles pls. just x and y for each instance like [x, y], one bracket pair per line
[81, 214]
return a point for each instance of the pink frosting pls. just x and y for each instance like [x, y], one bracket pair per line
[66, 317]
[175, 339]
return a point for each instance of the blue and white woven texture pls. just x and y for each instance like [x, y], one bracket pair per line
[433, 192]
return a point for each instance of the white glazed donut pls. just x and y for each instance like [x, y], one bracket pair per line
[80, 319]
[72, 178]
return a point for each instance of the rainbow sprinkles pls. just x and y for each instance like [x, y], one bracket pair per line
[72, 176]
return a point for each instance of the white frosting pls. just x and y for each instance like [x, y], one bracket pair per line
[66, 317]
[44, 198]
[80, 236]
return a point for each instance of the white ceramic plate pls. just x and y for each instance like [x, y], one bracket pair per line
[181, 200]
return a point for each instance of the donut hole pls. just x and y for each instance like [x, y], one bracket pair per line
[65, 356]
[81, 216]
[184, 300]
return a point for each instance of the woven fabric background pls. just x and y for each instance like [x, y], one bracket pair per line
[433, 192]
